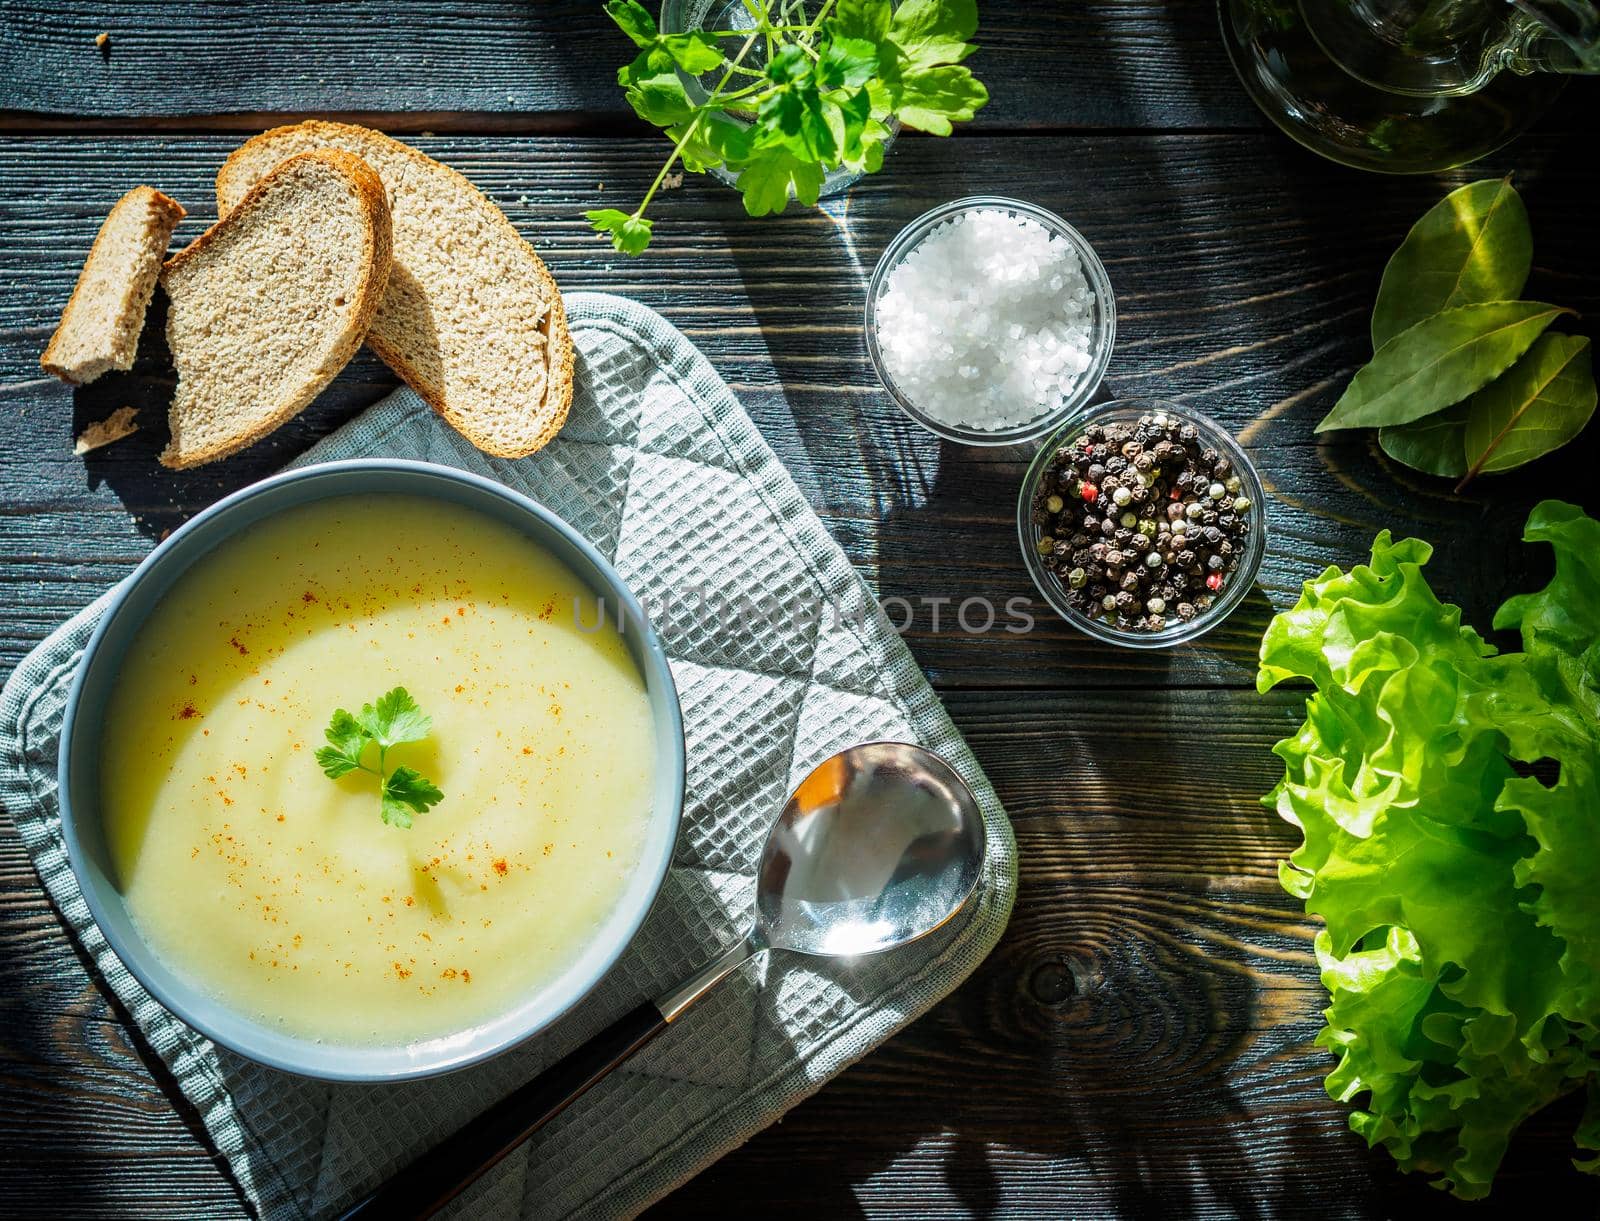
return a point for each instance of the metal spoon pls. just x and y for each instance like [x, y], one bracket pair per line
[879, 845]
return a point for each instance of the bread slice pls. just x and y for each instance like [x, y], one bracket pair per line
[100, 327]
[272, 301]
[472, 320]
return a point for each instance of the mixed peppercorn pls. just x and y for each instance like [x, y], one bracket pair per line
[1142, 522]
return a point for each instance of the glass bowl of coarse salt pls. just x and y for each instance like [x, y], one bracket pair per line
[990, 321]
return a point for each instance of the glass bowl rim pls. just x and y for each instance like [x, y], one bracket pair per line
[1244, 575]
[1103, 335]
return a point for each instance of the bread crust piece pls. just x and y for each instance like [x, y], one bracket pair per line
[165, 213]
[546, 415]
[376, 253]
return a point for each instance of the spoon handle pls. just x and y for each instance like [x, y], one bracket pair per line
[458, 1161]
[450, 1167]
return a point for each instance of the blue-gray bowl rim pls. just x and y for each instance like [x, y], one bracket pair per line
[235, 1030]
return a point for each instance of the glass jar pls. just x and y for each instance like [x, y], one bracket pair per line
[1407, 86]
[1239, 579]
[1102, 329]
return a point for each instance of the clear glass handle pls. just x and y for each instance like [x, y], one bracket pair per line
[1451, 48]
[1555, 36]
[1407, 86]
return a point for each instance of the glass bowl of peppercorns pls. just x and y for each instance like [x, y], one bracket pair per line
[1142, 523]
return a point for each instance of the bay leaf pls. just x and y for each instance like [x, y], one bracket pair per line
[1438, 362]
[1435, 444]
[1472, 246]
[1540, 404]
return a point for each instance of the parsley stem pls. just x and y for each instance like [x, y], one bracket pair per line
[694, 123]
[757, 9]
[376, 771]
[765, 22]
[739, 93]
[822, 15]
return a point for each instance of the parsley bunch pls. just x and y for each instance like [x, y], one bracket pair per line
[822, 97]
[394, 719]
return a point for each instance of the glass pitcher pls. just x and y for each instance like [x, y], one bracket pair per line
[1408, 86]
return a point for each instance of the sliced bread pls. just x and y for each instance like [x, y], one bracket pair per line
[472, 320]
[272, 301]
[100, 327]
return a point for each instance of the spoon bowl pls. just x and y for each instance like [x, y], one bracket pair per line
[879, 845]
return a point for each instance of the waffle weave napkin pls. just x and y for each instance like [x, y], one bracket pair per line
[663, 471]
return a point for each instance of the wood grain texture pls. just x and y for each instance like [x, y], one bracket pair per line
[1244, 272]
[1139, 1044]
[1135, 63]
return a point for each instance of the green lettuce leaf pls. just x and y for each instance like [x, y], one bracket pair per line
[1564, 617]
[1560, 629]
[1461, 940]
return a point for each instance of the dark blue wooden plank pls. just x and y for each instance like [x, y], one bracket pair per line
[539, 63]
[1110, 1058]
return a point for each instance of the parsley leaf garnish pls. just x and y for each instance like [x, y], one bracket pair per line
[393, 719]
[404, 790]
[823, 99]
[346, 740]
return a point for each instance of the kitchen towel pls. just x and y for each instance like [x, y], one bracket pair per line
[663, 471]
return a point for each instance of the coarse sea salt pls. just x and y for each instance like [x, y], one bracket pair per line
[985, 324]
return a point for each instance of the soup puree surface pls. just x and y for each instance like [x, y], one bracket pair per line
[283, 892]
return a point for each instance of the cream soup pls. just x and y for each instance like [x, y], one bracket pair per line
[283, 892]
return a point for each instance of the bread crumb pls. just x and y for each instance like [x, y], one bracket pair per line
[120, 423]
[672, 182]
[102, 39]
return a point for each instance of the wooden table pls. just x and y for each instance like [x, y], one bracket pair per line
[1140, 1042]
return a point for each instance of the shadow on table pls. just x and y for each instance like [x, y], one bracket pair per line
[1174, 1073]
[159, 500]
[83, 1039]
[1141, 1041]
[1167, 1130]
